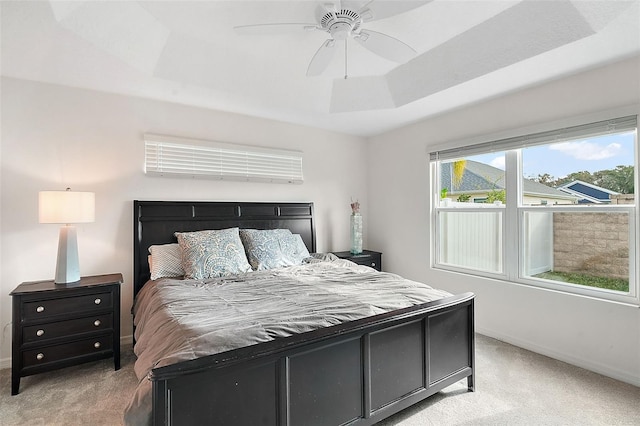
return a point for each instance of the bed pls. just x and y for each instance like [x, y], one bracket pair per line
[354, 372]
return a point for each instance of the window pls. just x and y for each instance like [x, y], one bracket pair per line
[471, 220]
[554, 209]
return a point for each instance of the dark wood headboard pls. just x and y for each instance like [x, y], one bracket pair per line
[154, 222]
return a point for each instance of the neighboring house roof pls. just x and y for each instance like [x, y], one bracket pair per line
[588, 192]
[480, 177]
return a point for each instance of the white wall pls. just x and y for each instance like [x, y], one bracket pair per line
[54, 137]
[601, 336]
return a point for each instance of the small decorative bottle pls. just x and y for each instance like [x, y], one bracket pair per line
[356, 228]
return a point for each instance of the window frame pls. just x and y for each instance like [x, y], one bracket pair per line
[513, 250]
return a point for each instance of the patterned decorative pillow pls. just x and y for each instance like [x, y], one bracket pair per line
[215, 253]
[263, 247]
[273, 248]
[166, 261]
[294, 249]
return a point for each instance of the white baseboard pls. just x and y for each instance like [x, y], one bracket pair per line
[605, 370]
[124, 340]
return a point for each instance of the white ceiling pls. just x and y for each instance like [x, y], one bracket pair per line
[189, 52]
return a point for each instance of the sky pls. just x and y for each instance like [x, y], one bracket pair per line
[594, 154]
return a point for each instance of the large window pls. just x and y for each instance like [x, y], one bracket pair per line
[555, 209]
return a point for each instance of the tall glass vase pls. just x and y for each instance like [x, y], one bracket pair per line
[356, 233]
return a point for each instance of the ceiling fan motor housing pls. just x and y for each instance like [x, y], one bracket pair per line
[341, 24]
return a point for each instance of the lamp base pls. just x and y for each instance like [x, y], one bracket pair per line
[67, 267]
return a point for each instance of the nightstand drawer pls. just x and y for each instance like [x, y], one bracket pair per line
[42, 332]
[372, 261]
[70, 305]
[63, 351]
[369, 258]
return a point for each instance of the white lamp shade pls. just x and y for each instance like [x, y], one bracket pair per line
[66, 207]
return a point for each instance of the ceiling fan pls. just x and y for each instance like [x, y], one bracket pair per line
[344, 20]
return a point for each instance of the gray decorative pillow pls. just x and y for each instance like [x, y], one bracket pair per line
[215, 253]
[272, 248]
[166, 261]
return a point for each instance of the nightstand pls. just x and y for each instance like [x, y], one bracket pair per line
[367, 258]
[57, 325]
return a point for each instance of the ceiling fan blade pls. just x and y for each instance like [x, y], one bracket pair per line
[331, 7]
[354, 5]
[264, 29]
[321, 59]
[374, 10]
[385, 46]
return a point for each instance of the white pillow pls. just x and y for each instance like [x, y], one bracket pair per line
[166, 261]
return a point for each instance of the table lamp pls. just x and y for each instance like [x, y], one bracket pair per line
[67, 207]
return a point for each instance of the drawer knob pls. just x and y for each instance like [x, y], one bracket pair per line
[39, 332]
[96, 345]
[40, 356]
[97, 323]
[40, 309]
[97, 301]
[373, 264]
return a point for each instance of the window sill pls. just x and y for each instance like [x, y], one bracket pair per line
[563, 289]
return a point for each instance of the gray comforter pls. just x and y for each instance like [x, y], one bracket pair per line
[177, 320]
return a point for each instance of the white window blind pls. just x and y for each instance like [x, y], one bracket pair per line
[599, 128]
[170, 156]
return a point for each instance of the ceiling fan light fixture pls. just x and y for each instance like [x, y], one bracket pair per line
[340, 30]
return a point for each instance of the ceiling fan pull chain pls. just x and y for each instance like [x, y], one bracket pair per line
[345, 58]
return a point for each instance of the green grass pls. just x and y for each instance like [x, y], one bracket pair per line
[616, 284]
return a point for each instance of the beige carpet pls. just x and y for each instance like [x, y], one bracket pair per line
[514, 387]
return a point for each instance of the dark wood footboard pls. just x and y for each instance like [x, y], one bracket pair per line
[355, 373]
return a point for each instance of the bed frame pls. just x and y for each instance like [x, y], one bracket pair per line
[355, 373]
